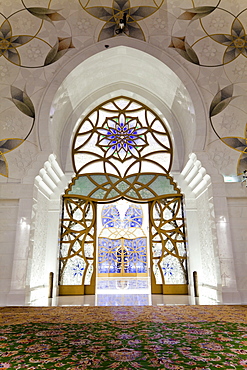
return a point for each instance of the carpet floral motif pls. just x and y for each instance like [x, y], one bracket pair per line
[142, 345]
[123, 341]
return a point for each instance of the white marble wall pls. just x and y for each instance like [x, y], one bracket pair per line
[211, 252]
[43, 254]
[208, 275]
[237, 206]
[45, 230]
[37, 253]
[15, 206]
[8, 214]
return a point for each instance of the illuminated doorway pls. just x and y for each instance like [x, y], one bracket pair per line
[122, 240]
[122, 151]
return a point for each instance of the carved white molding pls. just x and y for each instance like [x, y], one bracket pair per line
[50, 178]
[48, 186]
[197, 186]
[194, 176]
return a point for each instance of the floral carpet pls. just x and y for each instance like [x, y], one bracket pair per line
[144, 337]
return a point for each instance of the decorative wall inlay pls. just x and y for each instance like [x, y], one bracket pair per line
[25, 105]
[220, 157]
[223, 39]
[118, 10]
[208, 38]
[219, 103]
[13, 46]
[207, 240]
[39, 235]
[211, 19]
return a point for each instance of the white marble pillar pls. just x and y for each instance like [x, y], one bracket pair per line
[17, 293]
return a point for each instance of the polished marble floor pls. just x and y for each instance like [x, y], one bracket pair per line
[122, 292]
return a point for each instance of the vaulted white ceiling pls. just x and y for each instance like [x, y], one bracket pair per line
[186, 59]
[122, 70]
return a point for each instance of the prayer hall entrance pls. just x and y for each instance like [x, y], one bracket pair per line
[122, 212]
[122, 240]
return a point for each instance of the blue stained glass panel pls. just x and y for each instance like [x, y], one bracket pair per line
[137, 255]
[111, 216]
[133, 217]
[127, 257]
[108, 255]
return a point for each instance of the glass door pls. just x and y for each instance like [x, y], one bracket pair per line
[122, 243]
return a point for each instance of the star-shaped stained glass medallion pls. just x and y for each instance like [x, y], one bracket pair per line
[122, 137]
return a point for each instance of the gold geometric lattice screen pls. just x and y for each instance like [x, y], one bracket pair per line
[122, 149]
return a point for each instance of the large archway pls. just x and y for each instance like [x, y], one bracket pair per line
[122, 150]
[183, 113]
[151, 77]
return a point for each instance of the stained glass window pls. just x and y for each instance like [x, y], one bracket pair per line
[77, 242]
[122, 243]
[111, 216]
[122, 137]
[169, 253]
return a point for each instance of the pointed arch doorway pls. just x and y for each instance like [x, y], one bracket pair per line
[122, 150]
